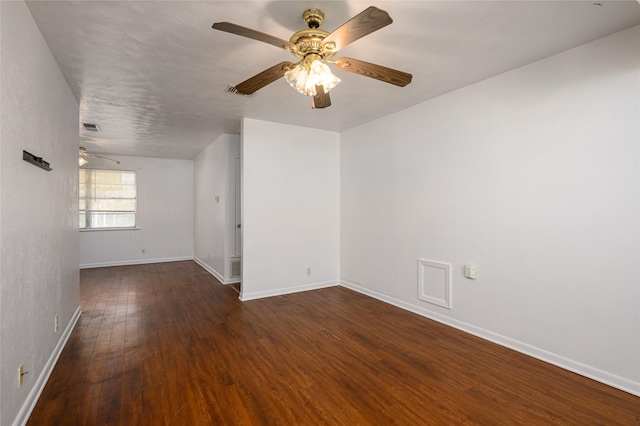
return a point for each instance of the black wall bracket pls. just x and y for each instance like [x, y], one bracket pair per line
[36, 161]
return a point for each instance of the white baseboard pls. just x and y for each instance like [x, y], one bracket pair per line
[32, 398]
[568, 364]
[287, 290]
[215, 273]
[135, 262]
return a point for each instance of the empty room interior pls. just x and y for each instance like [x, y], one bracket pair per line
[319, 212]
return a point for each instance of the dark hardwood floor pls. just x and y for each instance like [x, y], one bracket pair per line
[167, 344]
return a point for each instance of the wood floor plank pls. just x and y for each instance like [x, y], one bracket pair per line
[167, 344]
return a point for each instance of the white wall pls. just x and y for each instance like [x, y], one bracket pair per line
[214, 220]
[291, 208]
[164, 216]
[533, 176]
[38, 212]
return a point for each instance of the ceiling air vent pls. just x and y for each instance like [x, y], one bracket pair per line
[232, 89]
[91, 127]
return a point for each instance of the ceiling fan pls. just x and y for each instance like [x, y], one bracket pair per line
[84, 157]
[314, 47]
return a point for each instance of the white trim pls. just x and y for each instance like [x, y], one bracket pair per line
[135, 262]
[30, 403]
[287, 290]
[215, 273]
[107, 229]
[568, 364]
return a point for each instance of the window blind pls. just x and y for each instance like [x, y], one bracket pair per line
[107, 199]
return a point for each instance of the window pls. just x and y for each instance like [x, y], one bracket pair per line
[107, 199]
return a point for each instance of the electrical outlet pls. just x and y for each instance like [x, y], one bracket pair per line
[55, 323]
[308, 271]
[143, 251]
[470, 271]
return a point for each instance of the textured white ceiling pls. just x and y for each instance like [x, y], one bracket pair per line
[154, 75]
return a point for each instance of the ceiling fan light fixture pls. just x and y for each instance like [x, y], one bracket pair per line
[82, 161]
[305, 80]
[322, 76]
[313, 47]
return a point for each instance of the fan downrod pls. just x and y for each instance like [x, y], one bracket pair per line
[313, 17]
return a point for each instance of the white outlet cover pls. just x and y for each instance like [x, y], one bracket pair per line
[470, 271]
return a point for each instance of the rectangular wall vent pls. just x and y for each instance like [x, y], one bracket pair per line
[235, 268]
[434, 282]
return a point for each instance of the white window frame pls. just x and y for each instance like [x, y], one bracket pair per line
[89, 199]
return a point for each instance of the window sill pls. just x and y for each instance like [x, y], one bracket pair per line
[109, 229]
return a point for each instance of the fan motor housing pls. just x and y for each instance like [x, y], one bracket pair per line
[309, 41]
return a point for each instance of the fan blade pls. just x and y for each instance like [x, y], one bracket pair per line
[366, 22]
[86, 154]
[254, 34]
[322, 99]
[260, 80]
[388, 75]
